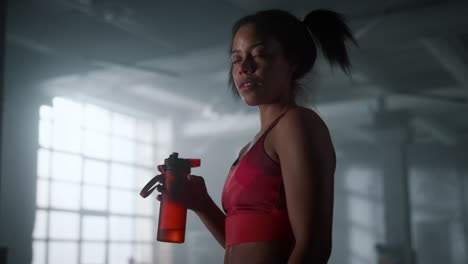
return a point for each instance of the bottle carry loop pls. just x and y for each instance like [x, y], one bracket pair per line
[150, 186]
[172, 215]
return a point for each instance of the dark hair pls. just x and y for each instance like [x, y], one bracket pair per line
[298, 39]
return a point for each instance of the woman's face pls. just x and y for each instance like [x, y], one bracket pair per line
[261, 72]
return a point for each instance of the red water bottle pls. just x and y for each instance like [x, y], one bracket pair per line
[172, 214]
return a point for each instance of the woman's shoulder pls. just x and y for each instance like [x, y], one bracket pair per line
[301, 117]
[303, 128]
[303, 124]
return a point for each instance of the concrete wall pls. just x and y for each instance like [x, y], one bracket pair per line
[3, 250]
[18, 153]
[437, 183]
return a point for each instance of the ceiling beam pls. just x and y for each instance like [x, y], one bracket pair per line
[36, 46]
[353, 114]
[114, 14]
[451, 57]
[402, 24]
[440, 132]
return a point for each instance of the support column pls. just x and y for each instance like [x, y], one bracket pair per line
[393, 136]
[20, 120]
[341, 224]
[3, 248]
[462, 169]
[397, 214]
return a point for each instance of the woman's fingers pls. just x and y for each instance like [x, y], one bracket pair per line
[193, 177]
[160, 188]
[162, 168]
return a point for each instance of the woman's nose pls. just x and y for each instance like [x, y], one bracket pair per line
[247, 66]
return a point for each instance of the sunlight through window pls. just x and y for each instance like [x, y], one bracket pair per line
[91, 164]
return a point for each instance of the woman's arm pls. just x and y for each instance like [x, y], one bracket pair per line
[214, 220]
[307, 158]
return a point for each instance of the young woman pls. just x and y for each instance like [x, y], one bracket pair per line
[278, 195]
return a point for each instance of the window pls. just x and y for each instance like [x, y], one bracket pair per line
[92, 164]
[365, 212]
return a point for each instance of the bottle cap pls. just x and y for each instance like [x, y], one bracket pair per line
[172, 162]
[175, 161]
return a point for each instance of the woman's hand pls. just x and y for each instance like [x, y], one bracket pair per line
[193, 194]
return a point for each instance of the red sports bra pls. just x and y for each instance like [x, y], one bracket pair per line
[253, 198]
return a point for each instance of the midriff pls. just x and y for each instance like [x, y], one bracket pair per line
[259, 252]
[242, 228]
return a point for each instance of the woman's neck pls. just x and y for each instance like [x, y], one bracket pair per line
[269, 112]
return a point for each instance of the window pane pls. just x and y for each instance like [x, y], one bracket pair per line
[120, 253]
[360, 180]
[96, 144]
[63, 252]
[146, 206]
[40, 225]
[361, 210]
[42, 193]
[45, 133]
[39, 249]
[64, 225]
[144, 155]
[143, 176]
[67, 111]
[144, 229]
[95, 197]
[66, 167]
[93, 253]
[123, 125]
[161, 155]
[95, 172]
[67, 137]
[164, 253]
[65, 195]
[362, 244]
[123, 150]
[144, 131]
[122, 201]
[122, 176]
[163, 131]
[45, 112]
[121, 228]
[43, 163]
[97, 118]
[94, 227]
[143, 253]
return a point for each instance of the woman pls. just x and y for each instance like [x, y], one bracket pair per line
[279, 192]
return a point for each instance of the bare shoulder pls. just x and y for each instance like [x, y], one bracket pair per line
[303, 119]
[303, 126]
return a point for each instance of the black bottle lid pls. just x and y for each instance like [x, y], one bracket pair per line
[175, 162]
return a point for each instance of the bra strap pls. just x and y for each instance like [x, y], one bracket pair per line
[277, 120]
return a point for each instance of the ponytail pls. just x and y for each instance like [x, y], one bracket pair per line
[330, 31]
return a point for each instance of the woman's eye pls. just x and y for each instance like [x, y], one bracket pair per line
[258, 54]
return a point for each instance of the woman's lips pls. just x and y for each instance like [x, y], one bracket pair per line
[248, 86]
